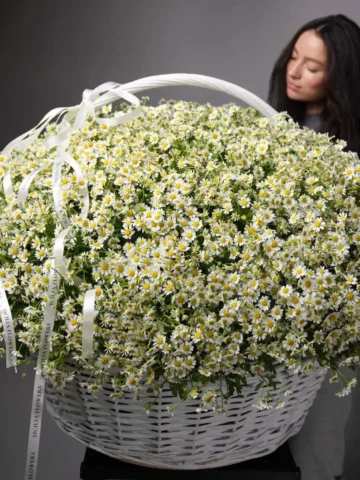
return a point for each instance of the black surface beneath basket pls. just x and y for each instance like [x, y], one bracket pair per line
[279, 465]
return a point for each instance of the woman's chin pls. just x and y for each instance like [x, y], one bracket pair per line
[293, 95]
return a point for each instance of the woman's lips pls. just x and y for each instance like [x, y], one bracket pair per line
[292, 86]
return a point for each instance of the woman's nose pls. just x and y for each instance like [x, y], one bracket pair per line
[295, 70]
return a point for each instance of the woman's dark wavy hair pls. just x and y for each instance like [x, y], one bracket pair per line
[341, 113]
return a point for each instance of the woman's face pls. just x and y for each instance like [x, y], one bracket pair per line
[306, 69]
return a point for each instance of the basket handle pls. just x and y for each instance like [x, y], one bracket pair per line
[147, 83]
[185, 79]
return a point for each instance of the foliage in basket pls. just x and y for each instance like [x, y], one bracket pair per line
[220, 244]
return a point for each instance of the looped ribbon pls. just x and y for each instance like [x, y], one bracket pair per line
[73, 120]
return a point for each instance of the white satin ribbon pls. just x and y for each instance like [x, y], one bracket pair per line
[8, 188]
[59, 252]
[88, 323]
[89, 299]
[79, 113]
[58, 268]
[24, 140]
[57, 192]
[84, 192]
[25, 186]
[39, 385]
[60, 263]
[87, 107]
[8, 328]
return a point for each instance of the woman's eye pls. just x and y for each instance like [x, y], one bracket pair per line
[312, 71]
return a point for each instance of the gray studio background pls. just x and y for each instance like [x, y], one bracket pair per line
[50, 51]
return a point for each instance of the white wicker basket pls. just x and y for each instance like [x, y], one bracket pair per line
[188, 440]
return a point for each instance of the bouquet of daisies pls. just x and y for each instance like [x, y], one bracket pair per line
[218, 244]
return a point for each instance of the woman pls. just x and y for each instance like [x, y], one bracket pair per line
[317, 78]
[317, 81]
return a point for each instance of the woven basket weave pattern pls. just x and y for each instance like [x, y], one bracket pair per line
[121, 428]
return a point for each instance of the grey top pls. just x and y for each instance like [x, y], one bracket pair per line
[312, 121]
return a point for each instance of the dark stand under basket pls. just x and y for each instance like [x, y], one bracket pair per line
[279, 465]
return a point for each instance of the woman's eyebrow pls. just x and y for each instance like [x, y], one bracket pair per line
[311, 59]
